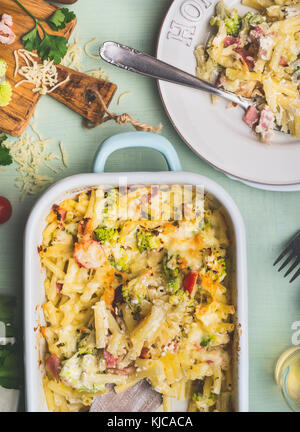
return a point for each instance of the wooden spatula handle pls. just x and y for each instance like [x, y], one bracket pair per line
[75, 93]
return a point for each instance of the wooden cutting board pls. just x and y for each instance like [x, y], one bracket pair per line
[14, 118]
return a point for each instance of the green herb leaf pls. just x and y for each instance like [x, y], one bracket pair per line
[53, 48]
[5, 156]
[3, 138]
[32, 40]
[60, 17]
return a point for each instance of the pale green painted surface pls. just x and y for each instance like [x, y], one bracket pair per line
[270, 218]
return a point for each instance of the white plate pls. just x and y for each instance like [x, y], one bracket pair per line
[216, 133]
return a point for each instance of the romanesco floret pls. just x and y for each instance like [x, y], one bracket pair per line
[104, 234]
[146, 240]
[5, 93]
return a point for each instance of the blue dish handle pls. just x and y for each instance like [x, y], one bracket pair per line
[136, 139]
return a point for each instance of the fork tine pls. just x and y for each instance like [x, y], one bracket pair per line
[292, 255]
[292, 267]
[289, 246]
[295, 275]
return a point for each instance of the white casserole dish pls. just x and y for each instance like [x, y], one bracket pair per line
[34, 295]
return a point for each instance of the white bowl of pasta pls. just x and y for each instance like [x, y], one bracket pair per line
[113, 299]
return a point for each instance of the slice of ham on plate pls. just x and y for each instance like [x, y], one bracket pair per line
[251, 117]
[266, 124]
[7, 36]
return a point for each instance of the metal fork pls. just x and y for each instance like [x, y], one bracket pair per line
[293, 252]
[139, 62]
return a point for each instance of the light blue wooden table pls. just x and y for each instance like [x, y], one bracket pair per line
[270, 218]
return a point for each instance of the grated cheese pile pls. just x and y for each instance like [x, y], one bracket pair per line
[72, 59]
[33, 159]
[43, 76]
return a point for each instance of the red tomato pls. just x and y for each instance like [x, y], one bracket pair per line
[5, 210]
[189, 281]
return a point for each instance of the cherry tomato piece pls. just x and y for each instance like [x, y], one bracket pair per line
[5, 210]
[190, 281]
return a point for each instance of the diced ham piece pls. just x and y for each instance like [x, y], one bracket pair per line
[53, 366]
[251, 117]
[256, 33]
[283, 61]
[190, 282]
[111, 361]
[145, 353]
[230, 40]
[89, 254]
[249, 60]
[59, 287]
[7, 36]
[266, 124]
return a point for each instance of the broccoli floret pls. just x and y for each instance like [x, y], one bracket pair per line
[207, 341]
[172, 273]
[112, 202]
[222, 10]
[133, 300]
[210, 400]
[121, 264]
[146, 240]
[104, 234]
[232, 19]
[233, 23]
[252, 19]
[87, 345]
[175, 284]
[170, 268]
[135, 291]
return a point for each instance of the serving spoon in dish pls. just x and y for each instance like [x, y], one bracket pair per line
[139, 398]
[136, 61]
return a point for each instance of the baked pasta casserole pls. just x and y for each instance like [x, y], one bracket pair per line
[136, 297]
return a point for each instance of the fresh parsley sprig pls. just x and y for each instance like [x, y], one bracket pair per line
[5, 156]
[50, 46]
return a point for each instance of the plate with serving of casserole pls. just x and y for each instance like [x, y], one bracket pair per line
[251, 49]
